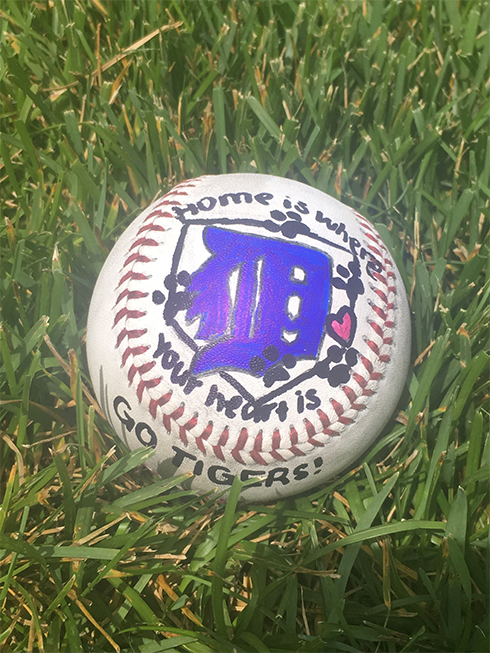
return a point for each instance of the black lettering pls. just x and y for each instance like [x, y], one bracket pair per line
[180, 211]
[236, 197]
[282, 410]
[300, 407]
[341, 230]
[180, 456]
[140, 428]
[263, 413]
[248, 411]
[211, 201]
[314, 400]
[258, 413]
[332, 226]
[248, 473]
[169, 359]
[337, 227]
[198, 467]
[225, 476]
[125, 419]
[162, 346]
[354, 244]
[277, 474]
[213, 396]
[192, 383]
[182, 379]
[301, 207]
[263, 198]
[300, 472]
[373, 267]
[231, 406]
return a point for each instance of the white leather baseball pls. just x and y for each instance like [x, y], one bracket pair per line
[249, 325]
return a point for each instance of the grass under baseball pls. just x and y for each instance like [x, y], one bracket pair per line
[104, 107]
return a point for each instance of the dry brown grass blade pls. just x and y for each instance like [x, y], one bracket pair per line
[56, 90]
[170, 592]
[18, 455]
[68, 370]
[97, 625]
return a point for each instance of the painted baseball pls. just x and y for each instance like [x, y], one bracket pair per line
[247, 325]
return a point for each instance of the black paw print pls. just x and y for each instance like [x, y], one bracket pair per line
[339, 373]
[178, 300]
[350, 281]
[276, 372]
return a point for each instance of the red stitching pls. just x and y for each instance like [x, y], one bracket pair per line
[136, 258]
[376, 251]
[376, 328]
[156, 403]
[129, 315]
[204, 435]
[293, 437]
[134, 276]
[175, 416]
[150, 227]
[157, 213]
[223, 439]
[179, 193]
[256, 452]
[363, 383]
[310, 429]
[352, 397]
[384, 358]
[142, 369]
[324, 419]
[151, 383]
[134, 351]
[315, 443]
[132, 333]
[144, 242]
[339, 409]
[258, 441]
[276, 444]
[276, 440]
[131, 294]
[379, 311]
[381, 295]
[380, 278]
[242, 440]
[257, 458]
[187, 427]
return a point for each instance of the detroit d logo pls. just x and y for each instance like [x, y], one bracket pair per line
[243, 305]
[258, 301]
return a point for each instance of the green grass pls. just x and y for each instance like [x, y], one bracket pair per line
[106, 105]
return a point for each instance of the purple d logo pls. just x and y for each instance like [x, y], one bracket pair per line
[258, 300]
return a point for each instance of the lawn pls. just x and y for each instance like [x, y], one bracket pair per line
[105, 106]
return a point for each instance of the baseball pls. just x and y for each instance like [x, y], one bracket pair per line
[246, 325]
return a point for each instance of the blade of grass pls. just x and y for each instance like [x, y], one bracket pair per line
[219, 610]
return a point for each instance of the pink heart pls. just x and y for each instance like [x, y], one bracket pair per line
[342, 329]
